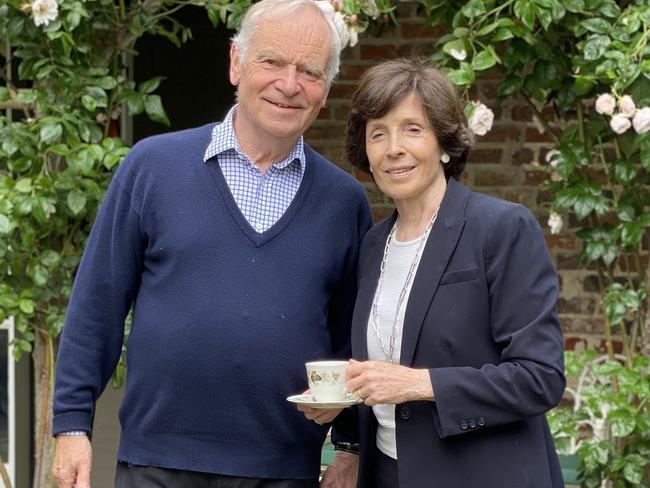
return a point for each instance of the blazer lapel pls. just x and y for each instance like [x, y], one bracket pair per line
[369, 266]
[436, 254]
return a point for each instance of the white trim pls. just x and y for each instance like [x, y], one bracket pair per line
[10, 464]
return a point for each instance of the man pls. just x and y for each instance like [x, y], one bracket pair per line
[236, 246]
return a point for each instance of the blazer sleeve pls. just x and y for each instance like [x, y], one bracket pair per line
[528, 380]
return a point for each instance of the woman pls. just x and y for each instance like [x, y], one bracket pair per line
[457, 343]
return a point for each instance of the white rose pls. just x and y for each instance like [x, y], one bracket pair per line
[551, 157]
[481, 120]
[459, 55]
[641, 121]
[44, 11]
[620, 123]
[605, 104]
[626, 106]
[555, 223]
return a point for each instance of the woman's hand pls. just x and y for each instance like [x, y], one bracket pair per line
[377, 382]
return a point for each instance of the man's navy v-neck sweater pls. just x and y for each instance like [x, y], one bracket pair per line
[224, 318]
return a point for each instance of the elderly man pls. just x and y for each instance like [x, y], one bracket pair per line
[236, 247]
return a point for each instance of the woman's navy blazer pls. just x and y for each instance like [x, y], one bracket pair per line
[481, 317]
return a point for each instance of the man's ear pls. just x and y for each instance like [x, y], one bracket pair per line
[235, 65]
[325, 95]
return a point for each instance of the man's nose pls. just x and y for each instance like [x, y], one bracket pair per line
[287, 82]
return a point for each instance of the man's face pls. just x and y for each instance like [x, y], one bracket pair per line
[282, 82]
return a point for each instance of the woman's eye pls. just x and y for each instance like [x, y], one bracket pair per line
[414, 130]
[375, 136]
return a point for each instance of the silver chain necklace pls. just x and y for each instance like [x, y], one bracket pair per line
[423, 238]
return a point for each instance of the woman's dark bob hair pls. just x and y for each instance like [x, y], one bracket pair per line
[383, 86]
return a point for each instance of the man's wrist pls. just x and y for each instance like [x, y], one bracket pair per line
[345, 446]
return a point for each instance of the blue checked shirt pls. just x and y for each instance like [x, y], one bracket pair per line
[262, 198]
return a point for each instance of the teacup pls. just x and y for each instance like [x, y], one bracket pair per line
[327, 380]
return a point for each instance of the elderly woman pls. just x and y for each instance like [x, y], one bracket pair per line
[458, 348]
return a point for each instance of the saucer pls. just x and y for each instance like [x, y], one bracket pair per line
[309, 401]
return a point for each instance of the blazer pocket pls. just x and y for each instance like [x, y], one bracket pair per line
[459, 276]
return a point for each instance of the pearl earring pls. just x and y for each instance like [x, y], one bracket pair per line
[370, 167]
[445, 158]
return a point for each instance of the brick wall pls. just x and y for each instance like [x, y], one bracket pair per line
[501, 163]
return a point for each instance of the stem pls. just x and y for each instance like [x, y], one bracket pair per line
[554, 135]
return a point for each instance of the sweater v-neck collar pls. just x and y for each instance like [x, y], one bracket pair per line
[261, 238]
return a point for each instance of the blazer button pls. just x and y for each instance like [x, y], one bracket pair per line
[472, 424]
[481, 422]
[404, 413]
[463, 425]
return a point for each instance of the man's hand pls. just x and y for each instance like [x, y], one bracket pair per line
[72, 461]
[342, 473]
[320, 415]
[378, 382]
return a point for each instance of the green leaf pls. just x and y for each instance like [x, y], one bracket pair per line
[545, 17]
[484, 31]
[583, 85]
[50, 257]
[26, 306]
[626, 213]
[89, 103]
[645, 157]
[599, 26]
[154, 108]
[632, 233]
[26, 96]
[106, 82]
[51, 133]
[525, 10]
[5, 94]
[473, 8]
[5, 224]
[98, 94]
[625, 172]
[150, 85]
[575, 6]
[76, 201]
[633, 473]
[38, 274]
[510, 86]
[24, 185]
[502, 34]
[596, 46]
[484, 60]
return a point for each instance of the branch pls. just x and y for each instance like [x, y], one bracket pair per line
[540, 117]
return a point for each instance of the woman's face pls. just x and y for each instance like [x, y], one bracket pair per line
[403, 152]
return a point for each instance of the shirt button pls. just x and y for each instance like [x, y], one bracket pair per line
[463, 425]
[258, 226]
[405, 413]
[472, 424]
[481, 422]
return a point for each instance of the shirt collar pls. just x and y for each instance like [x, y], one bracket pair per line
[224, 139]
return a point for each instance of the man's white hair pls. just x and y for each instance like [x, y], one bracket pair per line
[268, 10]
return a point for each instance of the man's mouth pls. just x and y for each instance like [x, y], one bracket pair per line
[281, 105]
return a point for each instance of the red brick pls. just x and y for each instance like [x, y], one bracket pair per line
[380, 213]
[488, 90]
[413, 31]
[521, 113]
[375, 196]
[533, 135]
[627, 262]
[384, 51]
[535, 178]
[523, 155]
[324, 114]
[485, 156]
[559, 241]
[493, 177]
[342, 91]
[341, 114]
[501, 134]
[325, 132]
[351, 71]
[362, 175]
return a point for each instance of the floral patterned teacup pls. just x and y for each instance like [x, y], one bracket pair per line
[327, 380]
